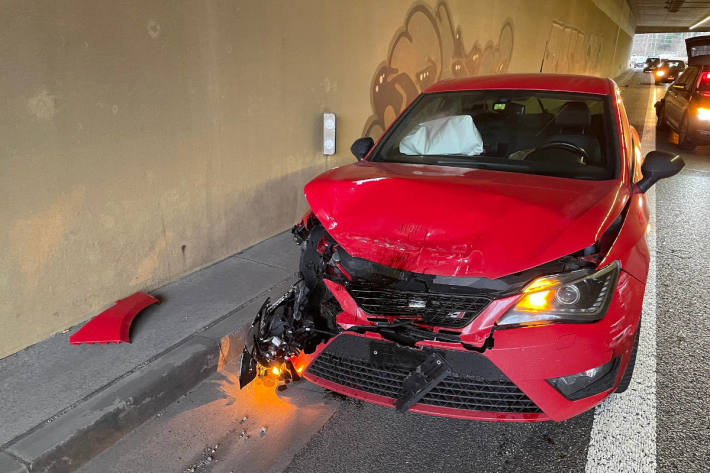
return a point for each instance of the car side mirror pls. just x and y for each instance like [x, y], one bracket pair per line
[361, 147]
[659, 165]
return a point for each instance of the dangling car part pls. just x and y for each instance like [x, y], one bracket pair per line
[114, 324]
[486, 259]
[278, 334]
[271, 340]
[297, 322]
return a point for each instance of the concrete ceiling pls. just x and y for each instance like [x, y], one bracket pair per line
[659, 16]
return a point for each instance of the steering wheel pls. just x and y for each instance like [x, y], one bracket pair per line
[566, 146]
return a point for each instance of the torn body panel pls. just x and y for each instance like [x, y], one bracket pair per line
[113, 325]
[299, 320]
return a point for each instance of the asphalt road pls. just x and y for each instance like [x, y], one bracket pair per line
[665, 428]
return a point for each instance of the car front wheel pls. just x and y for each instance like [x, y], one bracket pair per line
[684, 141]
[661, 121]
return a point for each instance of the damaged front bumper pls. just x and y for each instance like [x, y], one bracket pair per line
[507, 381]
[263, 348]
[277, 336]
[465, 384]
[453, 361]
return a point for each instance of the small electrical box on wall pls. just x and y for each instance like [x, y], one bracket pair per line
[328, 134]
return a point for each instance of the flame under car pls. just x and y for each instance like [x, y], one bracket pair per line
[486, 259]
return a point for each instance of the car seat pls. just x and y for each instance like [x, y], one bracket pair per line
[500, 128]
[573, 126]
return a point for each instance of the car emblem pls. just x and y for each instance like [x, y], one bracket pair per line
[417, 303]
[456, 315]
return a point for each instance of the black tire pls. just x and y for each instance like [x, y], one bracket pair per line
[684, 142]
[661, 124]
[626, 380]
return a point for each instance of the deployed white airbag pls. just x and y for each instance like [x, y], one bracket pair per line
[449, 135]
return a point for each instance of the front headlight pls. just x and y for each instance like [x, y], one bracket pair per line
[577, 296]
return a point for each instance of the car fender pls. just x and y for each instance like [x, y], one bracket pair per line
[630, 246]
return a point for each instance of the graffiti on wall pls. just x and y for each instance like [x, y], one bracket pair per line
[424, 50]
[569, 49]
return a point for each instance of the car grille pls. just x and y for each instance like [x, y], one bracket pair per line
[458, 391]
[421, 333]
[443, 310]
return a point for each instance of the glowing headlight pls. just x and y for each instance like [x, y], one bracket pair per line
[660, 73]
[578, 296]
[703, 114]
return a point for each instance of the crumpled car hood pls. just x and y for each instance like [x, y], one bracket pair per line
[457, 221]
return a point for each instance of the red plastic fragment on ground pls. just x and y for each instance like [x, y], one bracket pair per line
[113, 325]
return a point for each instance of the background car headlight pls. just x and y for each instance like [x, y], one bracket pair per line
[577, 296]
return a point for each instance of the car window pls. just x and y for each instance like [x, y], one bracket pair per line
[691, 77]
[538, 132]
[680, 81]
[672, 63]
[686, 79]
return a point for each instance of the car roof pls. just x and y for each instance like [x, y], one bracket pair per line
[535, 81]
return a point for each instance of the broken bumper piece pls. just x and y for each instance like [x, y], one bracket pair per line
[421, 380]
[278, 334]
[265, 343]
[114, 324]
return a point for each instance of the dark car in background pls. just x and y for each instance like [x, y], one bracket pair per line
[651, 64]
[686, 106]
[668, 70]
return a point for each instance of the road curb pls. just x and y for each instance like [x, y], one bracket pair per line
[9, 464]
[68, 440]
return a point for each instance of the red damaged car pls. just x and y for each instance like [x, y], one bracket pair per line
[486, 259]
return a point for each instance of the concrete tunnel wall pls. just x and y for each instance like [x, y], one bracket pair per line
[142, 140]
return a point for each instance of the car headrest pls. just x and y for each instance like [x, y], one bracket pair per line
[574, 114]
[515, 108]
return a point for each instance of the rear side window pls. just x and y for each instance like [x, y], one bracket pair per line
[699, 50]
[686, 79]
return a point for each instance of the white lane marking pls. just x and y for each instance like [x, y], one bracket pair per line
[623, 437]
